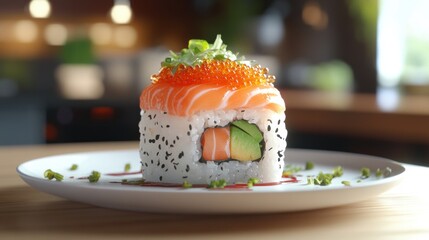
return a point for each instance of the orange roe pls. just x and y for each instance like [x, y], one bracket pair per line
[217, 72]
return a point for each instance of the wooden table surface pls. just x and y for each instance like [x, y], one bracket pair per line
[400, 213]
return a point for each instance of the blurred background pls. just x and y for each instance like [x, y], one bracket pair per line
[355, 74]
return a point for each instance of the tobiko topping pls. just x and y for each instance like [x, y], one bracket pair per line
[203, 63]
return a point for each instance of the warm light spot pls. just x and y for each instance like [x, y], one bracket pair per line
[102, 113]
[40, 8]
[125, 36]
[100, 33]
[313, 15]
[25, 31]
[121, 12]
[80, 81]
[55, 34]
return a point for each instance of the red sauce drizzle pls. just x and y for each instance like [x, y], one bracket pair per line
[242, 186]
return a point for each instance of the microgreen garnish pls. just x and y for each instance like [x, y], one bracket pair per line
[217, 183]
[73, 167]
[198, 51]
[49, 174]
[252, 181]
[94, 177]
[186, 184]
[127, 167]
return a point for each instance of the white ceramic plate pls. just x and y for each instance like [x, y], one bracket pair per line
[261, 199]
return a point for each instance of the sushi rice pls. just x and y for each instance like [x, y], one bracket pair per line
[171, 151]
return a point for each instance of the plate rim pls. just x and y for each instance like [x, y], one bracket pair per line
[397, 177]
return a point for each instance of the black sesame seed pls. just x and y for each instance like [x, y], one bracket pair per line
[188, 133]
[160, 178]
[279, 136]
[181, 154]
[172, 160]
[187, 168]
[190, 127]
[269, 120]
[167, 126]
[177, 137]
[171, 145]
[279, 153]
[278, 122]
[150, 116]
[185, 177]
[271, 148]
[151, 161]
[151, 140]
[277, 130]
[157, 137]
[163, 165]
[154, 116]
[166, 142]
[159, 146]
[269, 128]
[163, 139]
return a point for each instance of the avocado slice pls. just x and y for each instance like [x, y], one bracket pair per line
[244, 147]
[249, 128]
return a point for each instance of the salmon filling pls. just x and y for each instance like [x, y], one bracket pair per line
[240, 141]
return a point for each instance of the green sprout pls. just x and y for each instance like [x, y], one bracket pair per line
[49, 174]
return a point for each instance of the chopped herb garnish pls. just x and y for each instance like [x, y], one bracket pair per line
[217, 183]
[378, 173]
[187, 184]
[49, 174]
[346, 183]
[252, 181]
[323, 179]
[198, 51]
[94, 177]
[310, 180]
[127, 167]
[338, 171]
[309, 165]
[73, 167]
[365, 173]
[291, 170]
[387, 172]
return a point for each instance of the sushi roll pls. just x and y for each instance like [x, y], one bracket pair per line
[209, 115]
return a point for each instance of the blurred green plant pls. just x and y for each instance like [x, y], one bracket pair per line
[78, 50]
